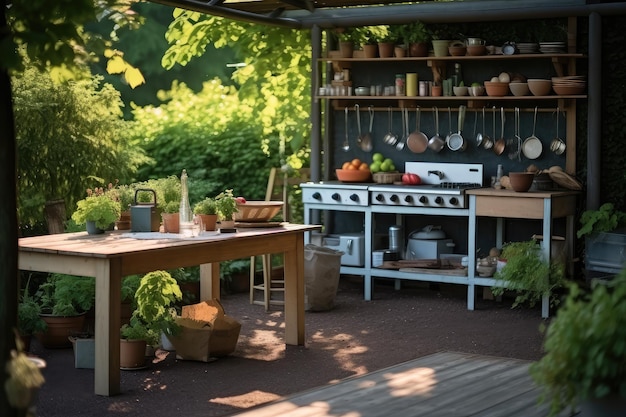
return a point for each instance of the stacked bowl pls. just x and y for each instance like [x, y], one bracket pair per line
[540, 87]
[496, 89]
[569, 85]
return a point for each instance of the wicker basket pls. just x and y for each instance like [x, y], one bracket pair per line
[257, 211]
[387, 177]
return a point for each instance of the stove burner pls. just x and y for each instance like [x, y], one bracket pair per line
[457, 185]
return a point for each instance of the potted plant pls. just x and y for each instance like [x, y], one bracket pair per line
[226, 208]
[155, 297]
[64, 300]
[416, 35]
[98, 211]
[604, 231]
[125, 196]
[584, 362]
[29, 321]
[135, 337]
[347, 38]
[207, 210]
[528, 273]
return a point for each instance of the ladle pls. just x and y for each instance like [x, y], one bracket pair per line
[449, 125]
[557, 146]
[479, 136]
[359, 139]
[390, 138]
[436, 142]
[366, 141]
[487, 141]
[405, 129]
[346, 143]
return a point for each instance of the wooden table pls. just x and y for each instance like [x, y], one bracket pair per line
[111, 256]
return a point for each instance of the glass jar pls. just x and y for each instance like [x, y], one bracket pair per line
[400, 85]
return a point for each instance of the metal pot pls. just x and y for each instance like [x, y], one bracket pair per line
[429, 232]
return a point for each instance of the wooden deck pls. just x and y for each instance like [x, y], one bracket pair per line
[445, 384]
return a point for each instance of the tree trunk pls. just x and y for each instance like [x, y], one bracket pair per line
[8, 227]
[55, 216]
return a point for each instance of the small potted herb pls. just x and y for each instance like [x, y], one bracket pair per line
[29, 319]
[207, 211]
[226, 208]
[98, 211]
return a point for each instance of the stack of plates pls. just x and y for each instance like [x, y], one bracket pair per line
[528, 48]
[552, 47]
[569, 85]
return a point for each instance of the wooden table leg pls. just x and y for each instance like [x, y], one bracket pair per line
[210, 281]
[107, 331]
[294, 292]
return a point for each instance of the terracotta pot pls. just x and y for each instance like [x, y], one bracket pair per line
[399, 52]
[371, 51]
[418, 49]
[385, 49]
[346, 49]
[132, 354]
[209, 221]
[171, 222]
[59, 329]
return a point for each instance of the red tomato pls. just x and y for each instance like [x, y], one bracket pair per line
[411, 179]
[240, 200]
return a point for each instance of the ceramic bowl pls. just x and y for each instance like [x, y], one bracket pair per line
[457, 50]
[496, 89]
[362, 91]
[486, 270]
[521, 181]
[477, 90]
[460, 91]
[257, 211]
[353, 175]
[519, 89]
[540, 87]
[476, 50]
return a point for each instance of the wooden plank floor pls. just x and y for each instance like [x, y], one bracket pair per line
[445, 384]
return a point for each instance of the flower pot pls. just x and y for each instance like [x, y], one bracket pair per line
[370, 51]
[132, 353]
[385, 49]
[171, 222]
[418, 49]
[124, 222]
[92, 229]
[59, 329]
[346, 49]
[399, 52]
[209, 221]
[440, 47]
[227, 224]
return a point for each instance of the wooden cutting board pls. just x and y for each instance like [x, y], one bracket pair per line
[407, 263]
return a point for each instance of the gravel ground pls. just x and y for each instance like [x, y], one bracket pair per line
[354, 338]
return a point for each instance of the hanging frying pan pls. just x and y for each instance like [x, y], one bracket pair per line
[417, 141]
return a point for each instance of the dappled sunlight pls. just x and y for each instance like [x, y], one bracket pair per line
[345, 347]
[418, 381]
[246, 400]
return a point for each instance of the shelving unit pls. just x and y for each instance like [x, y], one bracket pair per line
[434, 69]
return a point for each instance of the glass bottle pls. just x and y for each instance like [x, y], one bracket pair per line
[185, 213]
[458, 75]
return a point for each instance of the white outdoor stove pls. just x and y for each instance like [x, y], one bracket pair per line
[442, 186]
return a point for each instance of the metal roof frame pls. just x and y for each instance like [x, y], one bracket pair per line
[305, 14]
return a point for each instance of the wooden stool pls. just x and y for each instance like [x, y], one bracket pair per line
[268, 286]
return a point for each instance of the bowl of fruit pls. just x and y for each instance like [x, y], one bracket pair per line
[354, 171]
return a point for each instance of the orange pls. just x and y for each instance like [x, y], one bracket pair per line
[352, 167]
[363, 167]
[356, 162]
[345, 165]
